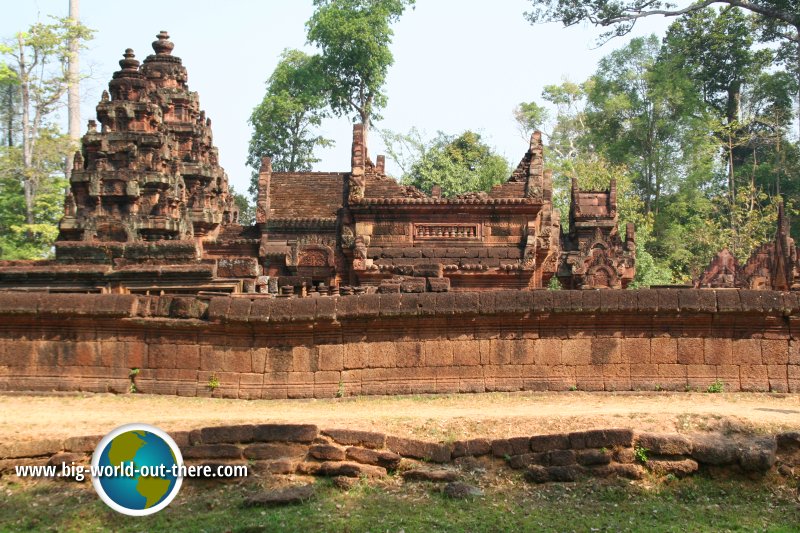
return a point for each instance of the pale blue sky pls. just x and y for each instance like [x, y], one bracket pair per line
[458, 64]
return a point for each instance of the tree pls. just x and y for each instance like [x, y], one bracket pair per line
[18, 238]
[9, 106]
[354, 37]
[39, 60]
[74, 82]
[622, 15]
[778, 20]
[530, 117]
[458, 164]
[284, 122]
[247, 211]
[632, 119]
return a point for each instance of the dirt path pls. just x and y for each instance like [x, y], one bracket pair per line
[430, 417]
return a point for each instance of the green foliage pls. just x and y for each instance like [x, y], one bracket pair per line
[18, 238]
[640, 453]
[354, 37]
[621, 15]
[284, 123]
[33, 80]
[458, 164]
[213, 382]
[247, 210]
[716, 387]
[554, 284]
[530, 116]
[695, 131]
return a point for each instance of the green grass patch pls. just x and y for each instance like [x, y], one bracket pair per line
[698, 504]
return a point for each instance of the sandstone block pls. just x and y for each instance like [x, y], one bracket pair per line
[537, 474]
[285, 432]
[564, 473]
[678, 468]
[227, 434]
[627, 471]
[34, 448]
[382, 458]
[601, 438]
[519, 462]
[350, 469]
[690, 351]
[665, 444]
[713, 450]
[350, 437]
[326, 452]
[759, 455]
[473, 447]
[85, 444]
[562, 458]
[546, 443]
[593, 457]
[417, 449]
[774, 352]
[212, 451]
[512, 446]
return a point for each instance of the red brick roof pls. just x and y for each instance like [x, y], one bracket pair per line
[306, 194]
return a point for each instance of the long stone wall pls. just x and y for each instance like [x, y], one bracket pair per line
[257, 347]
[304, 449]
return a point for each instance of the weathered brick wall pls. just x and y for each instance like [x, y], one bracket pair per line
[401, 343]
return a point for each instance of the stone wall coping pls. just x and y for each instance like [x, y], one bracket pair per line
[260, 309]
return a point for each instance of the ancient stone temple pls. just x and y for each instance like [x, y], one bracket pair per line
[149, 211]
[146, 194]
[364, 229]
[595, 256]
[772, 266]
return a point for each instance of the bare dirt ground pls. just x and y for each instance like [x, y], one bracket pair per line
[446, 417]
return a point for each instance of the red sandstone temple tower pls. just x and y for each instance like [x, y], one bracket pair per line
[151, 172]
[595, 256]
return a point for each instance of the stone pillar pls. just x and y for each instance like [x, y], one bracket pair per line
[547, 186]
[534, 185]
[262, 202]
[358, 164]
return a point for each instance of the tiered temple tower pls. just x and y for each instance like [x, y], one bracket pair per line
[151, 172]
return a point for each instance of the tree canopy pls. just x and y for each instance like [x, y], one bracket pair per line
[34, 78]
[456, 163]
[621, 16]
[695, 129]
[285, 122]
[354, 38]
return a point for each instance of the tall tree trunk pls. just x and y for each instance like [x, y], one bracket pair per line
[798, 79]
[74, 94]
[9, 105]
[731, 183]
[27, 131]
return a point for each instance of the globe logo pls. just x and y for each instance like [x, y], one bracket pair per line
[136, 469]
